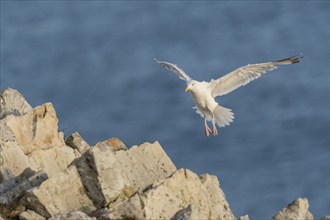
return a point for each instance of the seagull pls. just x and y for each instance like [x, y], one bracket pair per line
[204, 93]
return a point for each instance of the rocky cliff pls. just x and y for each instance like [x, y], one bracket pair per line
[43, 176]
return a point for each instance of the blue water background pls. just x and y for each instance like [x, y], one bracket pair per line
[94, 62]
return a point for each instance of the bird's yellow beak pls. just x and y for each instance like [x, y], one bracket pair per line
[187, 89]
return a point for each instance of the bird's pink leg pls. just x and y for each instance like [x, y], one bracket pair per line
[207, 129]
[215, 130]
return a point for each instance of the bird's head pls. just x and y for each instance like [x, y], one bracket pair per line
[191, 85]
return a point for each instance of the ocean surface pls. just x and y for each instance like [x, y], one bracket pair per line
[94, 62]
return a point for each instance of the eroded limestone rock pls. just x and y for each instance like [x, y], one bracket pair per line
[107, 180]
[61, 193]
[114, 143]
[183, 214]
[52, 160]
[77, 142]
[36, 129]
[32, 141]
[13, 161]
[244, 217]
[12, 102]
[165, 198]
[108, 175]
[74, 215]
[298, 209]
[30, 215]
[13, 191]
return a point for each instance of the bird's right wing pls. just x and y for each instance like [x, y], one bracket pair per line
[174, 68]
[246, 74]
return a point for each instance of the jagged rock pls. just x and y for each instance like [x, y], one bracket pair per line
[77, 142]
[12, 102]
[61, 193]
[8, 185]
[244, 217]
[32, 140]
[51, 160]
[107, 181]
[36, 129]
[30, 215]
[108, 175]
[75, 215]
[298, 209]
[115, 144]
[166, 197]
[12, 192]
[183, 214]
[145, 164]
[13, 161]
[101, 214]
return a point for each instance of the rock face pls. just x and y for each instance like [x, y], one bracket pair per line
[12, 192]
[298, 209]
[44, 177]
[29, 215]
[108, 174]
[114, 143]
[77, 142]
[31, 140]
[12, 102]
[197, 197]
[62, 192]
[74, 215]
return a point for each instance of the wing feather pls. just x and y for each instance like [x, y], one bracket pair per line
[174, 68]
[246, 74]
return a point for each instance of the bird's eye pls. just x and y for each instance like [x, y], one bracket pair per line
[193, 84]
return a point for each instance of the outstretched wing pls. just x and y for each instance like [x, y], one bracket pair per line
[174, 68]
[246, 74]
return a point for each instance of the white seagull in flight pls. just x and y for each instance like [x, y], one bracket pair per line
[203, 93]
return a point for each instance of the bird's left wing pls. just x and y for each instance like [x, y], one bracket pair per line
[174, 68]
[246, 74]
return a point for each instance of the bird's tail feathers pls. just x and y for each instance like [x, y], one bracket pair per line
[223, 116]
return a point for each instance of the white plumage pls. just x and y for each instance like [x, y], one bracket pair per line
[203, 93]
